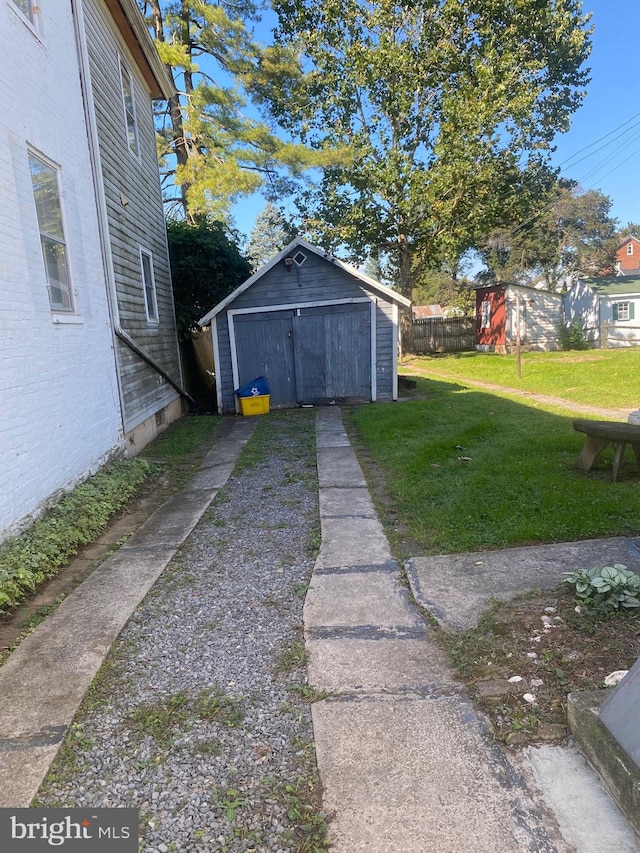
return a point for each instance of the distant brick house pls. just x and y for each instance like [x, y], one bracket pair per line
[628, 257]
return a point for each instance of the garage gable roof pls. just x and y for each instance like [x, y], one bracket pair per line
[389, 294]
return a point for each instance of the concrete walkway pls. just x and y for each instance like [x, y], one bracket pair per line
[406, 763]
[45, 679]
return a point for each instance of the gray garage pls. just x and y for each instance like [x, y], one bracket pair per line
[319, 330]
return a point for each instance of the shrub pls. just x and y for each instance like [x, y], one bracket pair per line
[572, 336]
[78, 519]
[607, 590]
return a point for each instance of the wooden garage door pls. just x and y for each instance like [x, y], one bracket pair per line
[333, 353]
[309, 355]
[264, 347]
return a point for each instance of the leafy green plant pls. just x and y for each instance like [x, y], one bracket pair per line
[77, 520]
[606, 590]
[572, 337]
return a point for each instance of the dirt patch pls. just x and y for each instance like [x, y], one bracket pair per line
[574, 359]
[526, 655]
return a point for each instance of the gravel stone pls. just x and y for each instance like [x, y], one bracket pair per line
[193, 719]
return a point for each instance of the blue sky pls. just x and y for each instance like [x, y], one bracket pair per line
[611, 101]
[611, 165]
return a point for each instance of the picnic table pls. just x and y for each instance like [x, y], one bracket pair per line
[600, 434]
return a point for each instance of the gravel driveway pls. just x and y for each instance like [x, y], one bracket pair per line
[200, 716]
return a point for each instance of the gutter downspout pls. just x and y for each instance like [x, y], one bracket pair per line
[101, 207]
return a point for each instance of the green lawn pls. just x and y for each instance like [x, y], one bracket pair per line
[467, 469]
[608, 378]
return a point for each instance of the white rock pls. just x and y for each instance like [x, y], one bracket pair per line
[615, 677]
[530, 698]
[535, 682]
[546, 620]
[515, 679]
[549, 610]
[532, 655]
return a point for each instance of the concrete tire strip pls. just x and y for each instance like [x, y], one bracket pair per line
[406, 763]
[45, 679]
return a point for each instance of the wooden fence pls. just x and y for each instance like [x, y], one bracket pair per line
[619, 335]
[440, 334]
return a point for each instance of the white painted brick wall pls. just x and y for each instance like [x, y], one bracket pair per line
[59, 404]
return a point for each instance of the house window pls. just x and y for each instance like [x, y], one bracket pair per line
[27, 7]
[485, 314]
[46, 193]
[623, 311]
[128, 100]
[148, 285]
[299, 258]
[629, 248]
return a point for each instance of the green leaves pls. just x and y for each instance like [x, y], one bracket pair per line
[79, 518]
[206, 266]
[445, 106]
[606, 590]
[211, 150]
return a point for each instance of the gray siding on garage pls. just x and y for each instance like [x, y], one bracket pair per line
[138, 222]
[317, 280]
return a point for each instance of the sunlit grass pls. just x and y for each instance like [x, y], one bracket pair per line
[606, 378]
[470, 470]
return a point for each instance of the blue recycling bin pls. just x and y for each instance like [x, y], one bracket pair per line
[258, 387]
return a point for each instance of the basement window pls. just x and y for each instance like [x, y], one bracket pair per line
[299, 258]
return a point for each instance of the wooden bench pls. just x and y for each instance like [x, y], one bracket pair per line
[600, 434]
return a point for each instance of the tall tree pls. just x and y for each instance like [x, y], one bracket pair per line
[271, 233]
[211, 151]
[446, 112]
[573, 233]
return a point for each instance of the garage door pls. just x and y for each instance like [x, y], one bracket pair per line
[309, 355]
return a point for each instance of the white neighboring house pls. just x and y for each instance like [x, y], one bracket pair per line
[609, 305]
[89, 363]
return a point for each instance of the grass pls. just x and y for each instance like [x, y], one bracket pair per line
[461, 469]
[606, 378]
[469, 470]
[182, 437]
[163, 719]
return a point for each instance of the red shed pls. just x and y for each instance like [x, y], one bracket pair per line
[498, 309]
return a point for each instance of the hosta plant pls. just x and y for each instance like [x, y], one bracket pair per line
[606, 590]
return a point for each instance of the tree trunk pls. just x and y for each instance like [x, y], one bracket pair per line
[180, 143]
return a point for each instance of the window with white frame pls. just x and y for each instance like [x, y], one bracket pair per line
[623, 311]
[149, 285]
[129, 103]
[28, 9]
[629, 248]
[46, 193]
[485, 314]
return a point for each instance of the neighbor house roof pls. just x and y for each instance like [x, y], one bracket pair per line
[427, 311]
[387, 292]
[614, 285]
